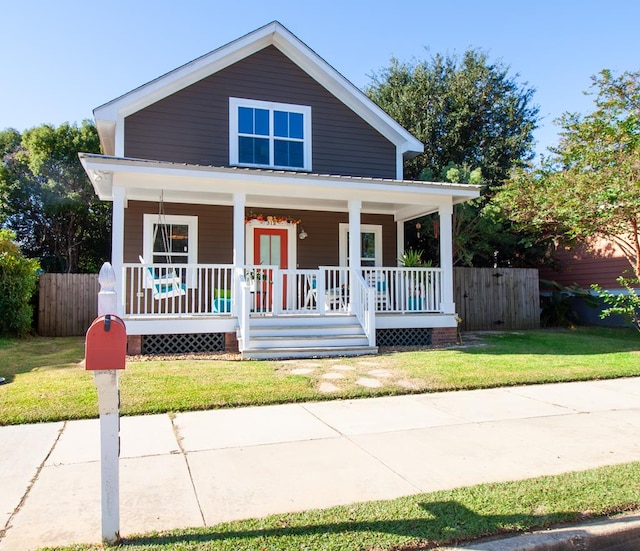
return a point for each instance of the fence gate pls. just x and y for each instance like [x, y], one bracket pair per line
[67, 304]
[497, 298]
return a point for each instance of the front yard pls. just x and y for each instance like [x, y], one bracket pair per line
[45, 379]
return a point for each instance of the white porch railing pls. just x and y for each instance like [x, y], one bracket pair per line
[363, 306]
[158, 290]
[244, 292]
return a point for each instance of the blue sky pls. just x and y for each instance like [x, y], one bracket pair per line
[62, 59]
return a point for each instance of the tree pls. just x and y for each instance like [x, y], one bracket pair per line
[472, 117]
[590, 185]
[18, 277]
[48, 200]
[465, 111]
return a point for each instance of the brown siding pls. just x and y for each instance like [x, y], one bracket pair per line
[191, 126]
[215, 239]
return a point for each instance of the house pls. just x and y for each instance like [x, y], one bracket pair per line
[236, 181]
[597, 261]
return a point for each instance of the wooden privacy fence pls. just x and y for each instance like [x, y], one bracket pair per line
[497, 298]
[67, 304]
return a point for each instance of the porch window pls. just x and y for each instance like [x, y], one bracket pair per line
[370, 245]
[170, 239]
[269, 135]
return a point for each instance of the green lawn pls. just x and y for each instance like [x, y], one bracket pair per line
[422, 521]
[46, 381]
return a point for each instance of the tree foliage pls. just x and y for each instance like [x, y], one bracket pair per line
[18, 277]
[590, 185]
[466, 111]
[476, 122]
[47, 198]
[626, 305]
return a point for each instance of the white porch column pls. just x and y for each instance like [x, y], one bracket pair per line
[445, 213]
[399, 241]
[355, 252]
[117, 242]
[239, 200]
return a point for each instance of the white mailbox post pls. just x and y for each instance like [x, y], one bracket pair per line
[105, 353]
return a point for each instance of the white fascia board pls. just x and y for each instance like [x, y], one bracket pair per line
[271, 34]
[150, 175]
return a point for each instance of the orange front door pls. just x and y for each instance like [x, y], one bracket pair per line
[270, 246]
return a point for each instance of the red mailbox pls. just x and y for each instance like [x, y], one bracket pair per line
[106, 344]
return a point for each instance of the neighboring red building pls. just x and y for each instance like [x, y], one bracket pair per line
[601, 262]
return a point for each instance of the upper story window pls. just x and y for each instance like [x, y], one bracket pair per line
[269, 135]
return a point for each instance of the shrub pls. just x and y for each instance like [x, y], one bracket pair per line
[18, 277]
[626, 305]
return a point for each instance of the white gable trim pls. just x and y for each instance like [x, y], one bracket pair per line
[274, 34]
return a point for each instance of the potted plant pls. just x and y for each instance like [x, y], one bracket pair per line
[414, 284]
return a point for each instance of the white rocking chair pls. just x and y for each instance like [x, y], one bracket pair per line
[166, 285]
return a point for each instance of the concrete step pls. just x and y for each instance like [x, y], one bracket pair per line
[302, 320]
[307, 341]
[306, 330]
[320, 352]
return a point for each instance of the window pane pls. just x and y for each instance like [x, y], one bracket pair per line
[281, 124]
[280, 153]
[275, 250]
[253, 150]
[296, 154]
[245, 150]
[262, 122]
[367, 262]
[296, 125]
[288, 153]
[245, 120]
[161, 242]
[179, 238]
[368, 245]
[261, 148]
[160, 259]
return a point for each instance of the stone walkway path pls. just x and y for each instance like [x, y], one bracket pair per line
[364, 373]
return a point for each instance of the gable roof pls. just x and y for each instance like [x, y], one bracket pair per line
[108, 116]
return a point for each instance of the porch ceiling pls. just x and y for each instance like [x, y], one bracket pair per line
[144, 180]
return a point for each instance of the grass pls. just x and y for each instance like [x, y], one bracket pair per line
[423, 521]
[46, 381]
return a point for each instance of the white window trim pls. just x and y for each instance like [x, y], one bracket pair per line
[364, 228]
[147, 240]
[271, 106]
[292, 235]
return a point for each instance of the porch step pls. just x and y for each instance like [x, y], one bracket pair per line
[307, 341]
[306, 337]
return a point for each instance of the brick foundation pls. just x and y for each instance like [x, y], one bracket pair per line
[134, 345]
[230, 342]
[442, 336]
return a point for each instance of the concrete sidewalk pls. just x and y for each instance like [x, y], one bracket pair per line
[201, 468]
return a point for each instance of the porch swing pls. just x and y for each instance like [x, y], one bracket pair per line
[166, 282]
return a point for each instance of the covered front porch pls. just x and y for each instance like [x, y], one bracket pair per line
[160, 298]
[280, 272]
